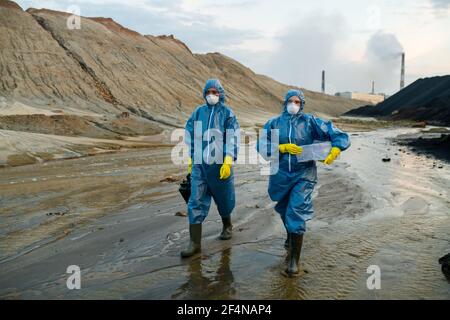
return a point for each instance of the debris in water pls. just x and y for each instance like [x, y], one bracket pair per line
[169, 179]
[58, 212]
[419, 125]
[181, 214]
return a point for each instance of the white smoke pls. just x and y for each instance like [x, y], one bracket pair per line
[312, 46]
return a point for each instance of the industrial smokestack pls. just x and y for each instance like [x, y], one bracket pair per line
[323, 81]
[373, 87]
[402, 74]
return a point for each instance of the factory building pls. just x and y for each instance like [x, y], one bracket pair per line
[368, 97]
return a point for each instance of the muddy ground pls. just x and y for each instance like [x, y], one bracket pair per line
[110, 215]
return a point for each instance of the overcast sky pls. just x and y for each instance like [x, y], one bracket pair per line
[292, 41]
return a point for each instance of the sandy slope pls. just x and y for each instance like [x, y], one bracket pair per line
[105, 81]
[21, 148]
[106, 69]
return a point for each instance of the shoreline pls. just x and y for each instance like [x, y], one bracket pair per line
[20, 148]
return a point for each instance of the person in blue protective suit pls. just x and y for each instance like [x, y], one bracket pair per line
[293, 183]
[212, 135]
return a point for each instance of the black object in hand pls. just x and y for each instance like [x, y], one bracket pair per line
[185, 188]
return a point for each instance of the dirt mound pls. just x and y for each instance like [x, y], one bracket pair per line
[19, 148]
[107, 69]
[428, 142]
[114, 26]
[426, 99]
[37, 69]
[437, 111]
[71, 125]
[9, 4]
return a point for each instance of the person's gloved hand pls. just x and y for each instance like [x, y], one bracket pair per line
[225, 170]
[334, 153]
[189, 165]
[291, 148]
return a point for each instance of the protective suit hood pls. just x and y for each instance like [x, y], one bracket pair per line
[215, 83]
[290, 94]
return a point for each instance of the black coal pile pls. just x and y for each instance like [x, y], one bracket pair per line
[425, 99]
[438, 146]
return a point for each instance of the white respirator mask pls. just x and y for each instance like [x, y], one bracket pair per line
[212, 99]
[292, 108]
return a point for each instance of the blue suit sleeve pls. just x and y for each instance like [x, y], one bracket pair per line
[189, 134]
[232, 136]
[326, 131]
[267, 144]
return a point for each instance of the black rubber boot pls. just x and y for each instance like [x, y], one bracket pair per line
[195, 244]
[295, 248]
[227, 229]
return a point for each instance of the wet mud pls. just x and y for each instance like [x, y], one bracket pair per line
[111, 216]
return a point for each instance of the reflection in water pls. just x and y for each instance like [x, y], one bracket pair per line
[208, 285]
[284, 288]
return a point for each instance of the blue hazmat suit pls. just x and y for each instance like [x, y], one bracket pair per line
[293, 183]
[212, 132]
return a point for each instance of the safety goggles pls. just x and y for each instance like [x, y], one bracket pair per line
[212, 91]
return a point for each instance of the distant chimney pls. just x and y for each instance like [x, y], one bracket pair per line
[323, 81]
[373, 87]
[402, 74]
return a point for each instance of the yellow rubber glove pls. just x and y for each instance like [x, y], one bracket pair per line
[334, 153]
[189, 165]
[291, 148]
[225, 169]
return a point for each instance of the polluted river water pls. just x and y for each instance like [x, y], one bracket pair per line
[119, 225]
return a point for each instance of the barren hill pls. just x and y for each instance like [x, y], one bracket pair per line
[106, 81]
[104, 68]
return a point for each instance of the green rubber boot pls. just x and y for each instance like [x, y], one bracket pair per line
[295, 249]
[195, 243]
[227, 229]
